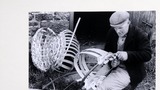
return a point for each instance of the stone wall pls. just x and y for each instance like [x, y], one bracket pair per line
[57, 21]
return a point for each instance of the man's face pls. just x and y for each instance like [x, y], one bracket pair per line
[123, 29]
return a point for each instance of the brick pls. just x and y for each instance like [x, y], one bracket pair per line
[32, 30]
[47, 17]
[31, 33]
[39, 17]
[62, 15]
[45, 23]
[59, 26]
[57, 18]
[33, 23]
[31, 16]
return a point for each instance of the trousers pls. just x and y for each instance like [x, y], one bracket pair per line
[118, 79]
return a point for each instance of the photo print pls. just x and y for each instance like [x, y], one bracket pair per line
[92, 50]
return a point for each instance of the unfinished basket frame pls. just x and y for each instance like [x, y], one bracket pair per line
[80, 62]
[82, 68]
[49, 50]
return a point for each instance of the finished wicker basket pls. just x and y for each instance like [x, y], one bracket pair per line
[49, 50]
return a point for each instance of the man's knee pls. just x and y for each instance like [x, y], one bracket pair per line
[116, 80]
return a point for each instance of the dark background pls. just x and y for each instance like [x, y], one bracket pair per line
[93, 25]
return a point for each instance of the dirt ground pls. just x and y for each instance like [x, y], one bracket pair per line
[38, 79]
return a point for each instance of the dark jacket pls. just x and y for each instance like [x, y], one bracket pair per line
[138, 48]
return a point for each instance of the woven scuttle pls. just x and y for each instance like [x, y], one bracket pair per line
[49, 50]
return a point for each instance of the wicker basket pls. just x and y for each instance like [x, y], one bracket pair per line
[49, 50]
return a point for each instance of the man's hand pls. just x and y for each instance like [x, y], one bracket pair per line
[122, 55]
[115, 63]
[106, 59]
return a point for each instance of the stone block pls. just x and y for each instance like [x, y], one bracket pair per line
[45, 23]
[58, 26]
[31, 16]
[33, 23]
[47, 17]
[39, 17]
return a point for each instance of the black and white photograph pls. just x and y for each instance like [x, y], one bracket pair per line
[92, 50]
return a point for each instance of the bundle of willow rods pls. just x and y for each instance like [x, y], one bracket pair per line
[48, 50]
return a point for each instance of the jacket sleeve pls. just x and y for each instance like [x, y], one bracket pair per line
[143, 53]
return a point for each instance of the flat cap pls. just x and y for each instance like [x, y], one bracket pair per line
[118, 18]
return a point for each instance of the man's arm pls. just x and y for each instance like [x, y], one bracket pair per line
[144, 50]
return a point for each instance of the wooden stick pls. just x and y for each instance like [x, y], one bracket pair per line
[73, 35]
[58, 78]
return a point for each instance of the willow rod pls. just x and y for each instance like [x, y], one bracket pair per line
[73, 34]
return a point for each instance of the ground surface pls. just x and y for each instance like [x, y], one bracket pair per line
[38, 79]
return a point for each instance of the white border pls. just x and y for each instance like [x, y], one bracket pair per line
[14, 31]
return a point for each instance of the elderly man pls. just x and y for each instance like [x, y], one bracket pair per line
[132, 48]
